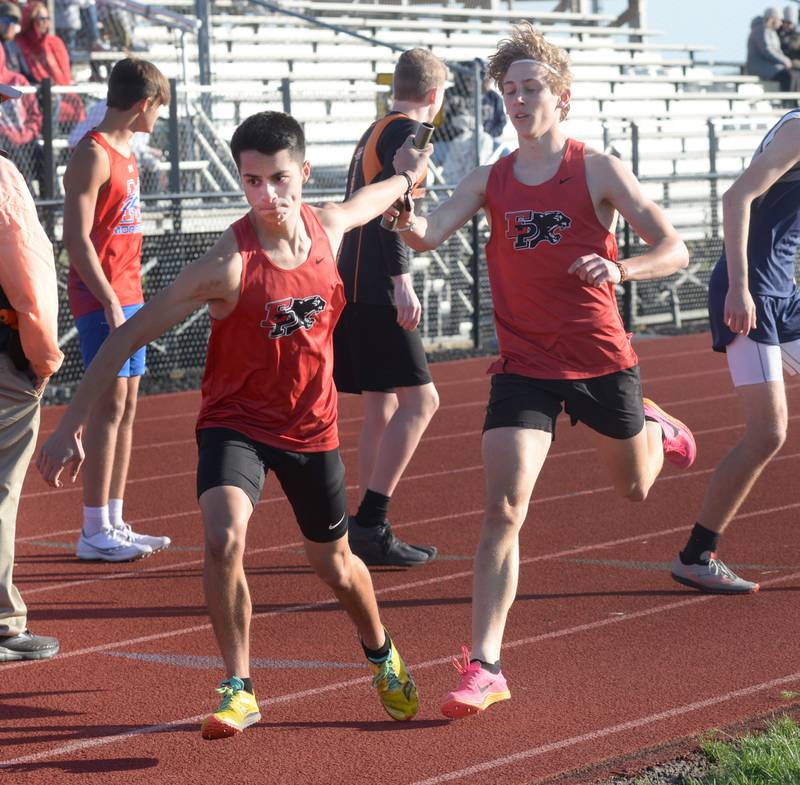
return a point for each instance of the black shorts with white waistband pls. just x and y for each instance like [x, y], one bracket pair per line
[312, 481]
[610, 404]
[373, 353]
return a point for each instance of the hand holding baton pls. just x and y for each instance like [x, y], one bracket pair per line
[421, 140]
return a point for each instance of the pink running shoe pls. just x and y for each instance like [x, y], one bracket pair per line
[477, 689]
[679, 446]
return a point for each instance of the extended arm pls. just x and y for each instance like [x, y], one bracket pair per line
[373, 200]
[426, 233]
[216, 276]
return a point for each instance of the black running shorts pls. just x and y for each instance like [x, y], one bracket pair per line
[373, 353]
[610, 404]
[313, 481]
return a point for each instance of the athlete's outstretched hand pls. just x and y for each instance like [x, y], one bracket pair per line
[63, 450]
[412, 160]
[405, 217]
[595, 270]
[409, 310]
[740, 311]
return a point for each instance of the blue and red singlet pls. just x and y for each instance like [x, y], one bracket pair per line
[116, 235]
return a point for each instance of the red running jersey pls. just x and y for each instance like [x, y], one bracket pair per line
[550, 324]
[269, 369]
[116, 235]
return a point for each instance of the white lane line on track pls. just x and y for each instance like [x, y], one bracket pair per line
[315, 691]
[378, 592]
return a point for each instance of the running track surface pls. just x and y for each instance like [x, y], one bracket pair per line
[604, 654]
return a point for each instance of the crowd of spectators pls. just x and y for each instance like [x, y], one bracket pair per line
[773, 47]
[37, 47]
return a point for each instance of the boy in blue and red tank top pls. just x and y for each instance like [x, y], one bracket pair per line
[103, 237]
[552, 260]
[269, 402]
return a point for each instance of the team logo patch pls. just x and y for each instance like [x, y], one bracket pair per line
[287, 316]
[527, 228]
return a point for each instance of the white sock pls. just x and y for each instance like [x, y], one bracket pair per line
[95, 519]
[115, 512]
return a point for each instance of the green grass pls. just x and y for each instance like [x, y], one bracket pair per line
[771, 758]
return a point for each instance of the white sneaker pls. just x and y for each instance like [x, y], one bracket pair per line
[110, 545]
[154, 543]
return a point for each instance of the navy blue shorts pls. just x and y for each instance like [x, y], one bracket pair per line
[93, 330]
[777, 318]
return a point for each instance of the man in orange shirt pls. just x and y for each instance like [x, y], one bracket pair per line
[29, 355]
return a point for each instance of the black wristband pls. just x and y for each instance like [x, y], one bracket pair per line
[409, 180]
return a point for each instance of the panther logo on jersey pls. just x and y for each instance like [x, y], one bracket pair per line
[287, 316]
[527, 228]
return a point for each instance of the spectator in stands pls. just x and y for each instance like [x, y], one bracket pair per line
[21, 125]
[47, 56]
[454, 140]
[790, 36]
[29, 355]
[764, 56]
[10, 17]
[78, 16]
[68, 22]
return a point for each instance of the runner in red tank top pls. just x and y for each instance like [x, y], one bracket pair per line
[553, 266]
[269, 403]
[103, 237]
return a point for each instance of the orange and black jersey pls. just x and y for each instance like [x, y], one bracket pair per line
[370, 255]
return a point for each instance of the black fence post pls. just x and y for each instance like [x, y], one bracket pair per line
[629, 292]
[477, 94]
[204, 51]
[174, 155]
[286, 94]
[49, 161]
[713, 149]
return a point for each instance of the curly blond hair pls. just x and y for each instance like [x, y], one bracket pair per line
[527, 43]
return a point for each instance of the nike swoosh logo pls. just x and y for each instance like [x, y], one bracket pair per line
[483, 689]
[564, 180]
[334, 525]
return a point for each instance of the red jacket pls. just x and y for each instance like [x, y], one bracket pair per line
[47, 56]
[21, 118]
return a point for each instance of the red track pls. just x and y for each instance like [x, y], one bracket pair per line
[604, 654]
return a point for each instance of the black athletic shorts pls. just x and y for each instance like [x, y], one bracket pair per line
[610, 404]
[313, 481]
[373, 352]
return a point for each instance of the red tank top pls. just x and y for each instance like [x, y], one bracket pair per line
[116, 235]
[550, 324]
[269, 369]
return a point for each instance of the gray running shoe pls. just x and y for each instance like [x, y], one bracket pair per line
[27, 646]
[711, 576]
